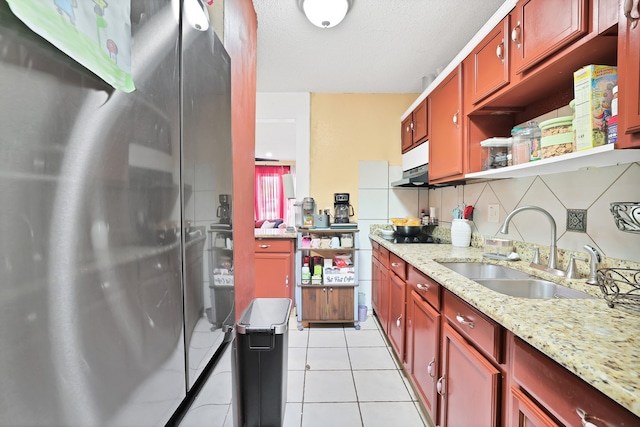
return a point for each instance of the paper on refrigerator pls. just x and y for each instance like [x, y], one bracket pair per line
[95, 33]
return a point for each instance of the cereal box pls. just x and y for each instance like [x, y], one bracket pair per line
[593, 89]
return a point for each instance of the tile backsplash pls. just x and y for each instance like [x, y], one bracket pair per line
[590, 190]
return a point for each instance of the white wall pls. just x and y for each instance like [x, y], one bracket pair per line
[283, 126]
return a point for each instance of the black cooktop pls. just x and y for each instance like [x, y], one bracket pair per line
[420, 238]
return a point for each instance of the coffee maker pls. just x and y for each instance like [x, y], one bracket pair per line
[342, 209]
[308, 212]
[224, 210]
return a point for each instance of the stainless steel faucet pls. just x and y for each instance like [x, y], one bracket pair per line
[594, 259]
[552, 264]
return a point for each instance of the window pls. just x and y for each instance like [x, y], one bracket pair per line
[270, 202]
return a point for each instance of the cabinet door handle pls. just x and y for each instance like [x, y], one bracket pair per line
[264, 246]
[455, 118]
[286, 281]
[464, 321]
[395, 264]
[330, 289]
[585, 418]
[411, 125]
[500, 51]
[440, 386]
[430, 367]
[422, 287]
[398, 321]
[515, 35]
[324, 289]
[631, 12]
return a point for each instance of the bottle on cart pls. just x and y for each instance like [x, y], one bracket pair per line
[306, 274]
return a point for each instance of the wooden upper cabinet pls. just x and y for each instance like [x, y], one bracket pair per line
[628, 82]
[406, 133]
[540, 28]
[414, 128]
[491, 63]
[446, 146]
[420, 128]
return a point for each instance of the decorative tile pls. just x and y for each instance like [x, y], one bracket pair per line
[577, 220]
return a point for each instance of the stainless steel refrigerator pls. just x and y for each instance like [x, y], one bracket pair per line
[105, 202]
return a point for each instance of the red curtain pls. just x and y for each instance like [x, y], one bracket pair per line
[270, 202]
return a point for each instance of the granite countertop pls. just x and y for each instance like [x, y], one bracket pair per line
[274, 233]
[599, 344]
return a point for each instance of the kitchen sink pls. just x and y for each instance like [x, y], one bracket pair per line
[531, 288]
[509, 281]
[479, 270]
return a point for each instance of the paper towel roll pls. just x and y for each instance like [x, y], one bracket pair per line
[287, 184]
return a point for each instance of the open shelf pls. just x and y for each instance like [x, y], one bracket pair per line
[605, 155]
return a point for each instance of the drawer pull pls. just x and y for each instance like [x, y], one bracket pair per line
[430, 367]
[631, 12]
[440, 386]
[584, 418]
[286, 281]
[515, 35]
[422, 287]
[499, 52]
[464, 321]
[395, 264]
[265, 246]
[398, 321]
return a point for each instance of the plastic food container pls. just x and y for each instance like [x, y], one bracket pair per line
[557, 137]
[496, 153]
[529, 133]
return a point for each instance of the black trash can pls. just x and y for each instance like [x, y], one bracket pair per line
[262, 344]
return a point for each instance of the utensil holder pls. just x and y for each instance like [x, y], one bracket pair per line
[460, 233]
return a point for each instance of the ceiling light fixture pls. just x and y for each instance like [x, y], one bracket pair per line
[325, 13]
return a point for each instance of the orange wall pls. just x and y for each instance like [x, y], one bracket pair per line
[346, 128]
[240, 40]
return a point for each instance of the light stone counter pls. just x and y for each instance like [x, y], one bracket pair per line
[599, 344]
[274, 233]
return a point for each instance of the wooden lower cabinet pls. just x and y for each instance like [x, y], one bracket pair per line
[470, 371]
[424, 340]
[274, 268]
[326, 303]
[469, 386]
[563, 395]
[396, 314]
[375, 284]
[383, 298]
[526, 413]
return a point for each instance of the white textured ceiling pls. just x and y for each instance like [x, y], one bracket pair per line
[382, 46]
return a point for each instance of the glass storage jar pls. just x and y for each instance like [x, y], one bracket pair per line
[531, 133]
[557, 136]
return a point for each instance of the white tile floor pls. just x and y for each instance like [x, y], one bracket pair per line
[337, 377]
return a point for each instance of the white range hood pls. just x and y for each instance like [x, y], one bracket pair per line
[415, 167]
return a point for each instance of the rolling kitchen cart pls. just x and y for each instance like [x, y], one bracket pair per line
[331, 296]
